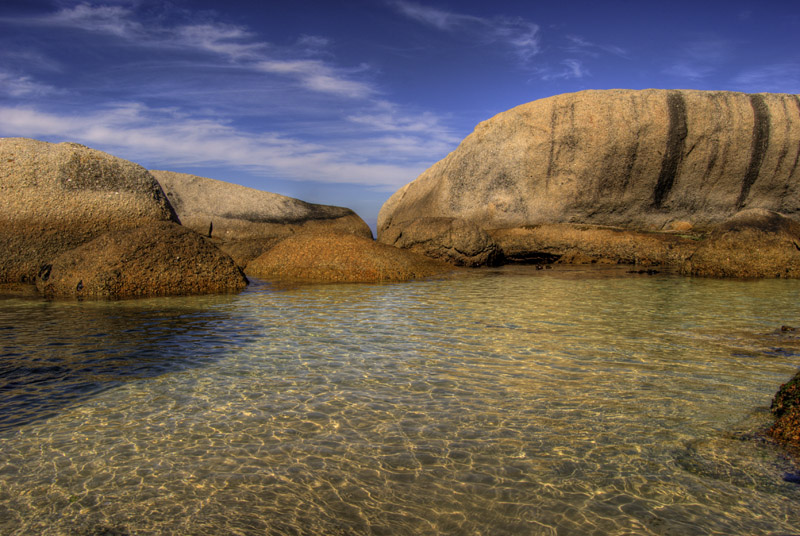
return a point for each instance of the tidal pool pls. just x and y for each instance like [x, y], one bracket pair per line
[507, 401]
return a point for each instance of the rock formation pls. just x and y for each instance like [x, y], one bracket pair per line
[337, 257]
[454, 240]
[55, 197]
[786, 409]
[246, 222]
[154, 259]
[636, 160]
[755, 243]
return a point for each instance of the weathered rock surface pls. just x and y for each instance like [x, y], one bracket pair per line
[453, 240]
[246, 221]
[786, 409]
[54, 197]
[639, 160]
[154, 259]
[337, 257]
[587, 244]
[755, 243]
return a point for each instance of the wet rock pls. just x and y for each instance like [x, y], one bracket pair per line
[452, 240]
[55, 197]
[155, 259]
[786, 409]
[336, 257]
[246, 222]
[755, 243]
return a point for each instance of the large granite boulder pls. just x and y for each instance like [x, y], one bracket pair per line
[755, 243]
[246, 222]
[154, 259]
[338, 257]
[454, 240]
[640, 160]
[55, 197]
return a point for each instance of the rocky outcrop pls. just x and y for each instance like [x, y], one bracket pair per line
[755, 243]
[246, 222]
[566, 243]
[786, 409]
[55, 197]
[637, 160]
[453, 240]
[336, 257]
[154, 259]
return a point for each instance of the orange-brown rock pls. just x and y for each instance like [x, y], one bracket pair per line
[55, 197]
[452, 240]
[755, 243]
[584, 244]
[245, 222]
[651, 160]
[336, 257]
[786, 409]
[154, 259]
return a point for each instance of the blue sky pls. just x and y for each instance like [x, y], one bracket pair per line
[344, 102]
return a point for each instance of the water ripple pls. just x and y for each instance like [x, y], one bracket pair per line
[498, 402]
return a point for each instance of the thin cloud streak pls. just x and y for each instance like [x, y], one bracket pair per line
[232, 43]
[780, 77]
[521, 36]
[162, 136]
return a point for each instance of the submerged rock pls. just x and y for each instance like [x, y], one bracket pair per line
[246, 222]
[155, 259]
[664, 160]
[337, 257]
[55, 197]
[786, 409]
[755, 243]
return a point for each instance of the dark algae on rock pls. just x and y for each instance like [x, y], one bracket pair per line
[786, 409]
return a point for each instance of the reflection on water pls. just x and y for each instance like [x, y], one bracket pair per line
[52, 355]
[496, 402]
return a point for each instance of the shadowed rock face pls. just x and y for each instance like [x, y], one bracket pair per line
[155, 259]
[54, 197]
[755, 243]
[248, 221]
[637, 159]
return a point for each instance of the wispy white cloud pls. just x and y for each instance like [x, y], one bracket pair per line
[324, 122]
[521, 36]
[579, 45]
[113, 20]
[566, 69]
[318, 76]
[231, 43]
[23, 86]
[173, 139]
[700, 59]
[780, 77]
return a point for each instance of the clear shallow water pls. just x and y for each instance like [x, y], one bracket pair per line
[496, 402]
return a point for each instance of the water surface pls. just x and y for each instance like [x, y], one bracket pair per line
[509, 401]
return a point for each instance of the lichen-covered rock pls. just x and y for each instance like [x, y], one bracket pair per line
[336, 257]
[640, 160]
[54, 197]
[246, 222]
[155, 259]
[786, 409]
[755, 243]
[452, 240]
